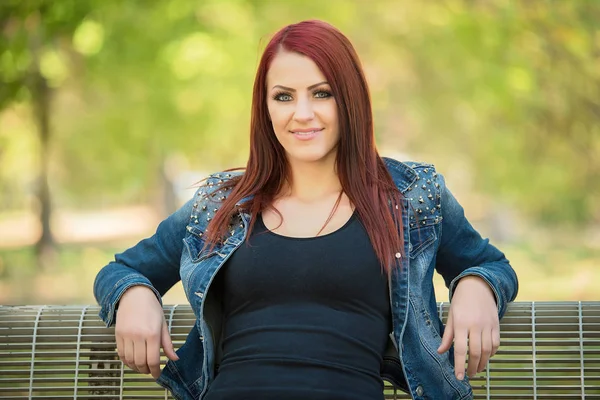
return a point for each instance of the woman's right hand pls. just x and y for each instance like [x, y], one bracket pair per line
[141, 330]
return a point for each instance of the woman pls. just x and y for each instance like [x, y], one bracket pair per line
[310, 273]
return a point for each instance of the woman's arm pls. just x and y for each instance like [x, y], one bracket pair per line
[153, 262]
[463, 252]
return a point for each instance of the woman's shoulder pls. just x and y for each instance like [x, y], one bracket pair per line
[218, 183]
[407, 173]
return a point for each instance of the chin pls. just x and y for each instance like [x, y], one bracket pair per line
[312, 157]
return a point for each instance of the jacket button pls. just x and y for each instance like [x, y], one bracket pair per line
[419, 390]
[202, 340]
[398, 255]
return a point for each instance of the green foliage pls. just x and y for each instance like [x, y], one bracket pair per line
[507, 89]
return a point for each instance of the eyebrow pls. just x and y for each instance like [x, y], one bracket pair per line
[293, 90]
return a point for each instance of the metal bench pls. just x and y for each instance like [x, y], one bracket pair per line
[550, 350]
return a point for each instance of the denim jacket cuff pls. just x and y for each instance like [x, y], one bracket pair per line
[481, 273]
[109, 305]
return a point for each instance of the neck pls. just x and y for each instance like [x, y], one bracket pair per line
[312, 181]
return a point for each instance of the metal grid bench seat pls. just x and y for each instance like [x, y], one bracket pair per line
[550, 350]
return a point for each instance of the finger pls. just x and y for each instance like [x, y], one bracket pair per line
[474, 352]
[448, 336]
[460, 353]
[120, 351]
[495, 341]
[167, 344]
[486, 350]
[128, 351]
[153, 355]
[139, 354]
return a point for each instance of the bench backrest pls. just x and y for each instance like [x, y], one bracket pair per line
[550, 350]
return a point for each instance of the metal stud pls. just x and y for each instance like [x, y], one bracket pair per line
[421, 200]
[426, 170]
[398, 255]
[204, 207]
[430, 196]
[228, 175]
[439, 206]
[428, 181]
[189, 228]
[419, 211]
[232, 233]
[195, 205]
[215, 210]
[423, 223]
[412, 225]
[208, 218]
[242, 226]
[437, 185]
[424, 187]
[435, 174]
[220, 181]
[396, 206]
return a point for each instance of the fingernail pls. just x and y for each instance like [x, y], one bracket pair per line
[460, 376]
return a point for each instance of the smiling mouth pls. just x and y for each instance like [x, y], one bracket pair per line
[306, 132]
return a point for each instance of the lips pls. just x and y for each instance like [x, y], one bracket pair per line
[306, 132]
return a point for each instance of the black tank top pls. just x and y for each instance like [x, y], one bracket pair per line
[304, 318]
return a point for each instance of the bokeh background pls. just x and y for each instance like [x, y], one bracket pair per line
[111, 110]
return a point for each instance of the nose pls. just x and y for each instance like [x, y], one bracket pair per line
[304, 110]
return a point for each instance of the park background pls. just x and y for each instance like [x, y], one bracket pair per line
[110, 111]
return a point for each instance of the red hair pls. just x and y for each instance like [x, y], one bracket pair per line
[362, 172]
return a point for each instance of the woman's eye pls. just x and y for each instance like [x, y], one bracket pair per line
[322, 94]
[282, 97]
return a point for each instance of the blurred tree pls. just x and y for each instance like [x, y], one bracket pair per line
[31, 32]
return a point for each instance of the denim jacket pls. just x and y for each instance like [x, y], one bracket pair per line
[437, 236]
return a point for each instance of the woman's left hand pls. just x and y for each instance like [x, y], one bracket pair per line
[473, 315]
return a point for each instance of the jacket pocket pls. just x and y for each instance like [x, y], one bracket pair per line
[420, 239]
[195, 245]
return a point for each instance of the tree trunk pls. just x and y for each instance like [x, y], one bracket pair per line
[41, 99]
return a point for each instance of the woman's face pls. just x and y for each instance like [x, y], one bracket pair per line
[302, 109]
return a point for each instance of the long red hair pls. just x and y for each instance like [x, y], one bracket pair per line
[362, 172]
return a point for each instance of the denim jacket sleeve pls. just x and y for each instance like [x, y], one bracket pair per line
[464, 252]
[153, 262]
